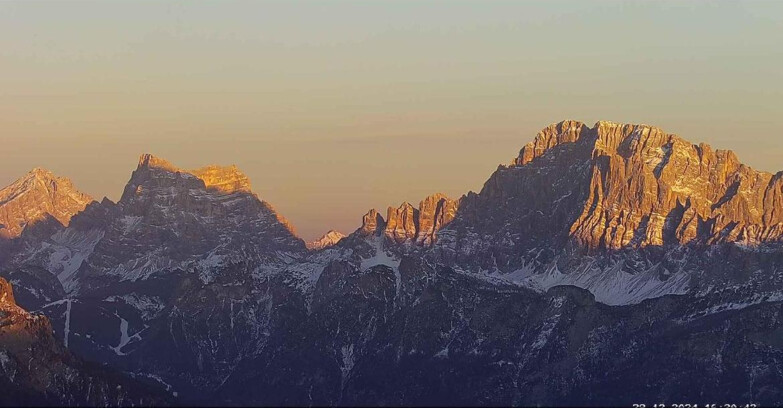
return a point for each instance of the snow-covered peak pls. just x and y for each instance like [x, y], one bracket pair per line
[329, 239]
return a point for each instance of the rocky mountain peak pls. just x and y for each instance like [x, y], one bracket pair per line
[639, 186]
[329, 239]
[567, 131]
[228, 179]
[36, 197]
[605, 136]
[150, 161]
[372, 223]
[157, 186]
[158, 177]
[39, 175]
[42, 173]
[435, 212]
[154, 172]
[172, 218]
[402, 222]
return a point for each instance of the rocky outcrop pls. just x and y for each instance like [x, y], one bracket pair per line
[435, 212]
[6, 295]
[372, 224]
[407, 224]
[329, 239]
[38, 197]
[402, 223]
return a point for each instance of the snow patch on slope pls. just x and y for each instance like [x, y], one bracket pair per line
[381, 257]
[148, 306]
[611, 286]
[66, 313]
[124, 338]
[129, 223]
[143, 267]
[736, 304]
[68, 250]
[67, 330]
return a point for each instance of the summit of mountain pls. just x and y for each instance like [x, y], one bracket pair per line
[36, 197]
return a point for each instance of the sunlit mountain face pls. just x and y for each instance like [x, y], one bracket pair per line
[602, 265]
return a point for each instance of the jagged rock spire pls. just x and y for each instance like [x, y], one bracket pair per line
[407, 223]
[372, 224]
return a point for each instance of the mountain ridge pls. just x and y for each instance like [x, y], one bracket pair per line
[607, 137]
[558, 262]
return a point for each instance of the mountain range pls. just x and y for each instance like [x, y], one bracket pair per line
[605, 265]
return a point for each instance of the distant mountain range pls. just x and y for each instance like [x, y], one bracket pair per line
[605, 265]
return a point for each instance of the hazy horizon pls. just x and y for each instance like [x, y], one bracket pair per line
[335, 107]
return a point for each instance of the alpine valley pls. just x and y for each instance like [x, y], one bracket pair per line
[605, 266]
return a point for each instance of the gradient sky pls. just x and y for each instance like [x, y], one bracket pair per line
[335, 107]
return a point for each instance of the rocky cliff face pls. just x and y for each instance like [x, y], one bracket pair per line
[38, 197]
[435, 212]
[402, 223]
[567, 131]
[648, 187]
[372, 224]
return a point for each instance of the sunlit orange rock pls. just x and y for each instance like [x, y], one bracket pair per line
[37, 197]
